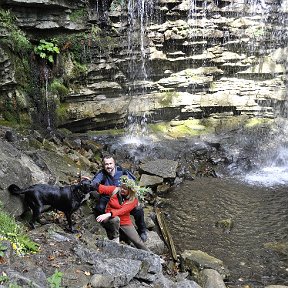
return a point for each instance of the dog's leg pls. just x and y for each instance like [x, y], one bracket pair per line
[70, 223]
[36, 211]
[35, 217]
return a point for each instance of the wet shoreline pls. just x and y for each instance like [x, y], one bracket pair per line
[250, 249]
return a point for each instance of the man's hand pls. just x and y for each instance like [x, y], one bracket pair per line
[103, 217]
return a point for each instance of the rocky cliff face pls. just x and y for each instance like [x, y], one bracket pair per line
[167, 59]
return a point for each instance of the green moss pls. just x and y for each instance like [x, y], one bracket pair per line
[35, 143]
[65, 132]
[186, 128]
[167, 99]
[107, 132]
[49, 146]
[14, 38]
[78, 69]
[252, 122]
[79, 15]
[10, 116]
[183, 131]
[58, 88]
[61, 112]
[158, 128]
[228, 123]
[25, 122]
[4, 122]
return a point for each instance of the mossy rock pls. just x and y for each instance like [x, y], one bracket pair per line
[253, 122]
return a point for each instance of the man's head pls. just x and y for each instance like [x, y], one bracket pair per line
[109, 164]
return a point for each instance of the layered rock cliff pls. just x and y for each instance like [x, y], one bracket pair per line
[166, 59]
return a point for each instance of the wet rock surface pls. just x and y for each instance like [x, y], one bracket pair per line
[218, 62]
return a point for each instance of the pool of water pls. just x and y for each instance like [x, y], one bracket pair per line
[255, 250]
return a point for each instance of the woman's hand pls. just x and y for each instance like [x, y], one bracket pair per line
[103, 217]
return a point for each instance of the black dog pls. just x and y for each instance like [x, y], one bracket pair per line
[66, 199]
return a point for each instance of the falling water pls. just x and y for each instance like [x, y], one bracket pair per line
[46, 79]
[139, 15]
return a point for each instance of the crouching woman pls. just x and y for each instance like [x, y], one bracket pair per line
[123, 199]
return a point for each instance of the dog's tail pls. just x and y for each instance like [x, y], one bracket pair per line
[14, 189]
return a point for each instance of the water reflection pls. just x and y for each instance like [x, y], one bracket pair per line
[251, 249]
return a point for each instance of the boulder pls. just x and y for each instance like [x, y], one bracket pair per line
[195, 261]
[161, 167]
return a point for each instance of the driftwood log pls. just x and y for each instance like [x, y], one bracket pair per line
[165, 233]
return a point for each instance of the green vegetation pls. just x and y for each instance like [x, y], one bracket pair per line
[79, 15]
[133, 185]
[78, 69]
[92, 133]
[167, 99]
[55, 279]
[17, 48]
[58, 88]
[2, 249]
[47, 50]
[3, 278]
[175, 129]
[13, 232]
[14, 38]
[252, 122]
[61, 113]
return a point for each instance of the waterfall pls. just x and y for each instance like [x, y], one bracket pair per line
[139, 15]
[46, 80]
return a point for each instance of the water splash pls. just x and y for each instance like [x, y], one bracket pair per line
[272, 173]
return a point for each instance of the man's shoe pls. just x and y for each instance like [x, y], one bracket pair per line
[144, 236]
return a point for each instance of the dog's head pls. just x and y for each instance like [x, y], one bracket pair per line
[85, 186]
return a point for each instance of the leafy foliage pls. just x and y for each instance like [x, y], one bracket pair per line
[3, 278]
[78, 15]
[14, 38]
[13, 232]
[59, 88]
[140, 191]
[55, 279]
[47, 50]
[2, 249]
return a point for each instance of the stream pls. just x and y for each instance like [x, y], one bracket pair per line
[255, 250]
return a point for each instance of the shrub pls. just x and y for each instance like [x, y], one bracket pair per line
[47, 50]
[15, 38]
[13, 232]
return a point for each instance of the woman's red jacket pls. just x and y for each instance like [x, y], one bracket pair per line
[114, 207]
